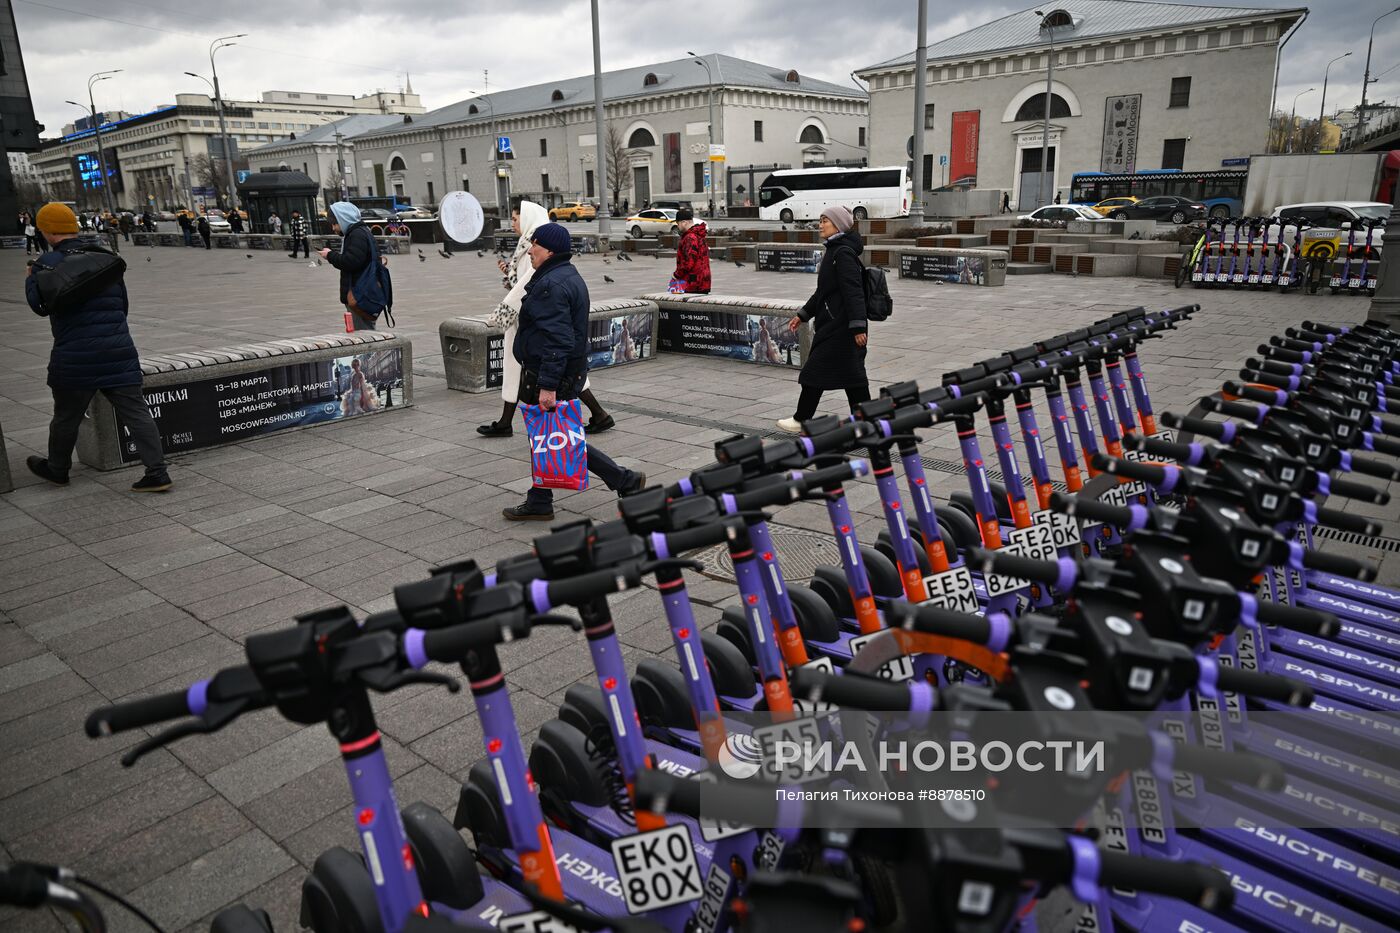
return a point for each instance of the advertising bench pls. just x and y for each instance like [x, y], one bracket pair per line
[735, 327]
[205, 398]
[620, 331]
[957, 266]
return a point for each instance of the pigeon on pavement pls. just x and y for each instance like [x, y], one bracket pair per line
[738, 264]
[421, 257]
[609, 279]
[444, 254]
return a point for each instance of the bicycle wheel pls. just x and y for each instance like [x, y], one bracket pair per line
[1183, 269]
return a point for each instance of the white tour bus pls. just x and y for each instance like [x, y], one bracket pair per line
[802, 194]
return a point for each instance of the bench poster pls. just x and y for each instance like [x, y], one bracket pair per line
[234, 407]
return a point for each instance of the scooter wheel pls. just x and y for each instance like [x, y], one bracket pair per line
[338, 895]
[661, 695]
[733, 627]
[241, 919]
[445, 866]
[961, 530]
[559, 762]
[814, 616]
[732, 673]
[479, 808]
[880, 891]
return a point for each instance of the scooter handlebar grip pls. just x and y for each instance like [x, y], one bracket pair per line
[1256, 394]
[1380, 469]
[1025, 568]
[1193, 454]
[1095, 511]
[1348, 521]
[688, 539]
[582, 588]
[1147, 472]
[450, 645]
[754, 805]
[936, 620]
[1191, 882]
[1361, 492]
[1382, 444]
[850, 690]
[1251, 413]
[966, 404]
[1264, 686]
[837, 473]
[133, 714]
[1236, 767]
[1296, 618]
[1219, 430]
[1336, 563]
[23, 886]
[840, 440]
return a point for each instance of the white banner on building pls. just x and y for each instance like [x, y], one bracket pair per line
[1120, 133]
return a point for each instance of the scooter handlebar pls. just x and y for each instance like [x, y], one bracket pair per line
[1382, 444]
[1256, 393]
[1095, 511]
[23, 886]
[1236, 767]
[851, 690]
[1297, 618]
[1251, 413]
[134, 714]
[949, 623]
[1191, 882]
[1369, 466]
[1219, 430]
[1025, 568]
[1193, 454]
[669, 544]
[1361, 492]
[1336, 563]
[839, 440]
[547, 594]
[1348, 521]
[450, 645]
[1284, 690]
[1147, 472]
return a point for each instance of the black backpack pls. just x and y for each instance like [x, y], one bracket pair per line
[878, 303]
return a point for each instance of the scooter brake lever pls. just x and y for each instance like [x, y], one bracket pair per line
[671, 563]
[551, 618]
[215, 718]
[383, 678]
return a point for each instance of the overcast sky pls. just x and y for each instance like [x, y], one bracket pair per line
[355, 46]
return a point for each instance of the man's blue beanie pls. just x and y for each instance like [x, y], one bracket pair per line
[553, 237]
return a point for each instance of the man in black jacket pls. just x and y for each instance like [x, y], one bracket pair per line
[551, 343]
[298, 230]
[92, 352]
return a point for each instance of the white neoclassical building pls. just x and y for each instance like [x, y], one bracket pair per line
[764, 116]
[1135, 85]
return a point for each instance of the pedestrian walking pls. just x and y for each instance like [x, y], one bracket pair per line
[31, 234]
[274, 223]
[692, 254]
[148, 223]
[354, 256]
[186, 227]
[526, 217]
[1057, 197]
[235, 221]
[79, 288]
[299, 231]
[204, 232]
[1006, 202]
[125, 224]
[837, 312]
[551, 343]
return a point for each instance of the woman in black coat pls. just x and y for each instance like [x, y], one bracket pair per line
[837, 312]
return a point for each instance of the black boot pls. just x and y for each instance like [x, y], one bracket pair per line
[599, 420]
[501, 428]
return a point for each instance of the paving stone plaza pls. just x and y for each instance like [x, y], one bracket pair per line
[105, 595]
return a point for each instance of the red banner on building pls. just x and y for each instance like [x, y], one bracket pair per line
[963, 152]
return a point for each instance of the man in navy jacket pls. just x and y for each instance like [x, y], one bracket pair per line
[92, 352]
[551, 343]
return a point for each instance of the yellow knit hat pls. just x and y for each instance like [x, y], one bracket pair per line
[56, 218]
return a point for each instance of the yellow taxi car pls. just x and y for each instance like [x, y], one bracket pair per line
[1112, 204]
[653, 221]
[574, 210]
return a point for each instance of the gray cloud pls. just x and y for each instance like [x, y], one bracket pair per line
[356, 46]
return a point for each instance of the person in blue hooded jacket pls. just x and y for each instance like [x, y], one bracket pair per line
[354, 256]
[92, 352]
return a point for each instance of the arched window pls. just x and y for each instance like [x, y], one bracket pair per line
[792, 78]
[650, 80]
[557, 96]
[1056, 19]
[1034, 108]
[396, 164]
[811, 135]
[640, 139]
[472, 109]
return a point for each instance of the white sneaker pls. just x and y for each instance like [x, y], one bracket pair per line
[790, 425]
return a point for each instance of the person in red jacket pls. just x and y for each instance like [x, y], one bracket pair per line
[693, 255]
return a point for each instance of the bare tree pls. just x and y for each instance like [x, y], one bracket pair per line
[209, 172]
[619, 162]
[31, 194]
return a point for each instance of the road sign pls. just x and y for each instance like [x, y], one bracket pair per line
[202, 191]
[716, 152]
[503, 145]
[242, 175]
[707, 178]
[942, 160]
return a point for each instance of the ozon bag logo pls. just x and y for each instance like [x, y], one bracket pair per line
[558, 448]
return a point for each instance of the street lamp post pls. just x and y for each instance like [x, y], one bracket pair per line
[1049, 83]
[710, 98]
[916, 152]
[222, 43]
[1322, 111]
[1292, 116]
[600, 147]
[97, 134]
[1366, 78]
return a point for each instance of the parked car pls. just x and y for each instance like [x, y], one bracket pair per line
[375, 215]
[413, 212]
[218, 223]
[1109, 205]
[652, 222]
[574, 211]
[1329, 220]
[1164, 207]
[1063, 212]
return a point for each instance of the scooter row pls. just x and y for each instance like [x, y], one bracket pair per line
[589, 765]
[1247, 258]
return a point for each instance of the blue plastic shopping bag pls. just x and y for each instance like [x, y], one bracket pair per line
[558, 450]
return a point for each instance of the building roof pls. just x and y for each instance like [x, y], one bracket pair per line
[680, 74]
[1093, 19]
[348, 126]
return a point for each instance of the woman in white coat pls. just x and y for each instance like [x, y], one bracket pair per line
[525, 217]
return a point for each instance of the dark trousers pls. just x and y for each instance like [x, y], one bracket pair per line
[32, 242]
[189, 237]
[205, 237]
[69, 407]
[301, 242]
[600, 465]
[809, 399]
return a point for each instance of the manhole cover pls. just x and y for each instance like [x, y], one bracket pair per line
[799, 554]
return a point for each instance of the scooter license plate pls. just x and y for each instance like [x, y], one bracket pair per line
[1335, 281]
[1354, 283]
[1237, 277]
[1254, 279]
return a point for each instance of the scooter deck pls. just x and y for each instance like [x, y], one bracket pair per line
[500, 900]
[1348, 608]
[1343, 658]
[1383, 596]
